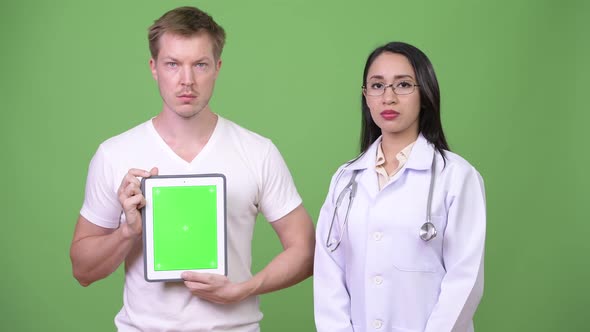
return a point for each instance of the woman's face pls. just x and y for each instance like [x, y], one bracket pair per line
[396, 115]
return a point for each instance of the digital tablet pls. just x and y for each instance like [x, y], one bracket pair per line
[184, 225]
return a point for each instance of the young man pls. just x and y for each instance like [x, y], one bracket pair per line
[187, 137]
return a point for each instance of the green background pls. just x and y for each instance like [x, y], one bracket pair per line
[513, 76]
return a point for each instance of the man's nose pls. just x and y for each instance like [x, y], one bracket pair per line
[187, 77]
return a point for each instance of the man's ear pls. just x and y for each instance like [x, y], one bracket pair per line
[153, 68]
[217, 67]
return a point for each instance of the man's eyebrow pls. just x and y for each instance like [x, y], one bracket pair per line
[204, 58]
[171, 58]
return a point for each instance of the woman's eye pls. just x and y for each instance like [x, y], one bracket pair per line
[403, 84]
[377, 86]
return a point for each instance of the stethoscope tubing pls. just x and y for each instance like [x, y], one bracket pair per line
[427, 231]
[352, 185]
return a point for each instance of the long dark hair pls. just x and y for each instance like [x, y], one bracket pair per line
[429, 118]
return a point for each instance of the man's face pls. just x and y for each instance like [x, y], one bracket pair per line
[186, 71]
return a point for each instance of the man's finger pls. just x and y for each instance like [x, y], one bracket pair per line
[132, 202]
[136, 172]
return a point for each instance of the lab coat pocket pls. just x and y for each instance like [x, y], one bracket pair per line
[413, 254]
[357, 328]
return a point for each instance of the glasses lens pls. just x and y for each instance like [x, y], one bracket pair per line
[404, 90]
[375, 89]
[399, 88]
[404, 87]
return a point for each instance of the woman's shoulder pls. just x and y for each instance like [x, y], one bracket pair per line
[458, 162]
[458, 170]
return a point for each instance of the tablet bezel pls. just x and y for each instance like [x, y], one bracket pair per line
[147, 184]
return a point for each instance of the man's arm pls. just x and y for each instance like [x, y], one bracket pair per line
[96, 252]
[295, 263]
[292, 265]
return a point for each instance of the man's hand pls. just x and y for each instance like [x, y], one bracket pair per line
[294, 264]
[132, 199]
[214, 288]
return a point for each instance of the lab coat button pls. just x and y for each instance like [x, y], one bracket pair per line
[377, 324]
[377, 236]
[378, 280]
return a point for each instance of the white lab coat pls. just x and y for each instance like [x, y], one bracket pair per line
[384, 277]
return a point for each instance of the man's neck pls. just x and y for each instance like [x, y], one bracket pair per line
[186, 136]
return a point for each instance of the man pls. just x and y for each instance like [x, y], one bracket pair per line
[187, 137]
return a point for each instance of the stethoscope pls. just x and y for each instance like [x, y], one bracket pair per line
[427, 230]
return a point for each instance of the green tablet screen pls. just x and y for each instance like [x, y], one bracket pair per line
[185, 227]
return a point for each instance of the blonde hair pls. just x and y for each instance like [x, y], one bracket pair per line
[186, 21]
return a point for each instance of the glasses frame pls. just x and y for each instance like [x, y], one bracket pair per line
[364, 87]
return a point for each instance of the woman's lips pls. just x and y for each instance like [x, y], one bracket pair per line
[389, 114]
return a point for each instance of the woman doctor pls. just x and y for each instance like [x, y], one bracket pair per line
[400, 237]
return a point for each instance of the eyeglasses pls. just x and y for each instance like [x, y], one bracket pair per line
[398, 87]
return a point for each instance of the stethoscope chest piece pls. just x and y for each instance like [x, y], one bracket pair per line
[427, 231]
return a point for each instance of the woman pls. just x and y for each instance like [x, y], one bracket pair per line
[400, 237]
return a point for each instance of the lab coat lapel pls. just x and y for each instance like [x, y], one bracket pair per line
[420, 159]
[421, 155]
[367, 178]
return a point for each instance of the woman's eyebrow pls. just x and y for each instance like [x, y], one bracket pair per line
[396, 77]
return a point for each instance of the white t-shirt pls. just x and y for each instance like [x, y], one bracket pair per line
[258, 180]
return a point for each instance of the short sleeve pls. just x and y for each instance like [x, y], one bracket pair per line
[101, 205]
[279, 195]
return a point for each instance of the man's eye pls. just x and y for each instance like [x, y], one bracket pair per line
[171, 64]
[201, 65]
